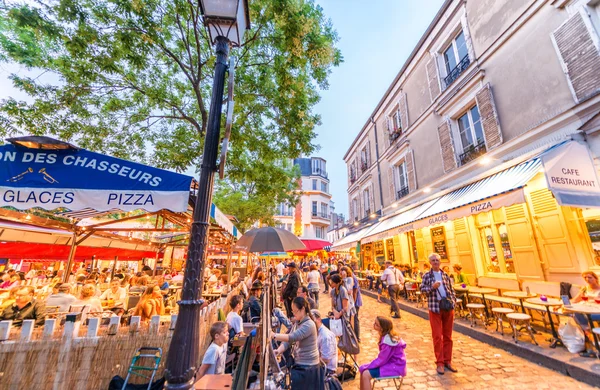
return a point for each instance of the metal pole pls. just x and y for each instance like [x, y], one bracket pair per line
[71, 257]
[183, 359]
[112, 273]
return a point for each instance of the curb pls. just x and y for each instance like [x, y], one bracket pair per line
[528, 351]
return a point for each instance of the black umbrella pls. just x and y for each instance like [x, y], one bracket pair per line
[269, 239]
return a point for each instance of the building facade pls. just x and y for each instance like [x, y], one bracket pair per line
[487, 91]
[311, 217]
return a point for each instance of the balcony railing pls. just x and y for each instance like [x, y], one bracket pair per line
[402, 193]
[458, 69]
[472, 152]
[285, 214]
[320, 215]
[320, 172]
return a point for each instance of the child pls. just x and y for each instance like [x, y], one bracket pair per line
[234, 320]
[391, 360]
[216, 354]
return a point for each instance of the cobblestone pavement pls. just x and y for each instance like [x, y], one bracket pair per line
[480, 365]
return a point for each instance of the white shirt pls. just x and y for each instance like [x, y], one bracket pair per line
[234, 320]
[327, 347]
[438, 278]
[279, 268]
[313, 277]
[392, 276]
[215, 356]
[119, 296]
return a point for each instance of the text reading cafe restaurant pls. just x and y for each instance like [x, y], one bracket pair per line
[537, 220]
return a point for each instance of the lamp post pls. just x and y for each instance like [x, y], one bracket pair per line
[227, 21]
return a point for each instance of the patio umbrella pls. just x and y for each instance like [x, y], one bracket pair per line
[269, 239]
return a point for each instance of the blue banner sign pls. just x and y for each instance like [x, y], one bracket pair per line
[79, 179]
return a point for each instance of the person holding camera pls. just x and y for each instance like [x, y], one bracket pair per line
[441, 300]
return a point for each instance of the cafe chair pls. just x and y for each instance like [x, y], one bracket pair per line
[397, 380]
[132, 301]
[524, 321]
[476, 310]
[499, 313]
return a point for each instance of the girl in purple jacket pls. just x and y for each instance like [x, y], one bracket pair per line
[391, 360]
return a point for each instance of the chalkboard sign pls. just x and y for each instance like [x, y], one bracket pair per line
[379, 248]
[438, 236]
[390, 249]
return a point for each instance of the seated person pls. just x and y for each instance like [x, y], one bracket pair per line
[589, 293]
[460, 278]
[89, 299]
[214, 358]
[116, 293]
[25, 308]
[150, 304]
[234, 320]
[253, 307]
[391, 360]
[63, 298]
[213, 281]
[303, 292]
[10, 300]
[327, 343]
[140, 285]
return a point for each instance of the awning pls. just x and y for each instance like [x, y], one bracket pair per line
[77, 179]
[385, 228]
[571, 175]
[351, 239]
[224, 222]
[312, 245]
[32, 251]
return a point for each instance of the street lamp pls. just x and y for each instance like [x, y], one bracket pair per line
[227, 20]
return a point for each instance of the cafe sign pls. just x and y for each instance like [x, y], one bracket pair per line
[571, 175]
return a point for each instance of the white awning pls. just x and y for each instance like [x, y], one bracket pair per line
[351, 239]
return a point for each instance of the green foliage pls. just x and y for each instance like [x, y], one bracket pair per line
[133, 78]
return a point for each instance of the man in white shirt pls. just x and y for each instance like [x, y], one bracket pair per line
[115, 292]
[395, 282]
[279, 269]
[327, 344]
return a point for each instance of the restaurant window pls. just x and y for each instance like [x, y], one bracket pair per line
[592, 224]
[498, 254]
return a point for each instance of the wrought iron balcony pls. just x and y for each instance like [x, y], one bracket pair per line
[402, 193]
[289, 213]
[458, 69]
[472, 152]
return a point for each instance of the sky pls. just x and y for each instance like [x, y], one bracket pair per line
[376, 38]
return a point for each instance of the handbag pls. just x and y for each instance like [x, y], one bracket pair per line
[445, 303]
[348, 342]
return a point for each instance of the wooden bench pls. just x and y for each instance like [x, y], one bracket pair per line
[498, 284]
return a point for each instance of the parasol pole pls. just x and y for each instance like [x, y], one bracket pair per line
[71, 258]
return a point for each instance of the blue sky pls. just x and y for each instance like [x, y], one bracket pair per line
[376, 38]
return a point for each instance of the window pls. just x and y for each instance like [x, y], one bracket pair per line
[456, 58]
[471, 135]
[320, 231]
[355, 208]
[352, 173]
[402, 181]
[366, 203]
[364, 159]
[314, 209]
[397, 122]
[314, 184]
[318, 167]
[497, 251]
[324, 187]
[324, 212]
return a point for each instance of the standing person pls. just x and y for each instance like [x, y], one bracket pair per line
[327, 344]
[340, 299]
[279, 269]
[313, 282]
[214, 358]
[291, 288]
[303, 292]
[391, 360]
[324, 274]
[306, 373]
[394, 280]
[357, 294]
[437, 285]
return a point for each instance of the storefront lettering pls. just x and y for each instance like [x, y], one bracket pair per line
[480, 207]
[572, 182]
[406, 228]
[438, 219]
[44, 197]
[130, 199]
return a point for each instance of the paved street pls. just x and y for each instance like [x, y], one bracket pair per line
[479, 364]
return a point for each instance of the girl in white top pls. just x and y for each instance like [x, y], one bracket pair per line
[313, 278]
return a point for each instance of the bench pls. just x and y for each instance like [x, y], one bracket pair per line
[498, 284]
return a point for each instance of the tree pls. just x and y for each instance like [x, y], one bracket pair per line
[133, 79]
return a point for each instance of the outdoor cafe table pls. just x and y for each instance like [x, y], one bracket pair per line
[555, 340]
[587, 310]
[482, 291]
[520, 295]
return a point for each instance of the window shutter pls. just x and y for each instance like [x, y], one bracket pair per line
[372, 199]
[489, 117]
[386, 135]
[391, 185]
[410, 170]
[369, 153]
[579, 55]
[447, 146]
[433, 78]
[403, 108]
[358, 167]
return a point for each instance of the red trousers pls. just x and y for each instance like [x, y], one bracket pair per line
[441, 331]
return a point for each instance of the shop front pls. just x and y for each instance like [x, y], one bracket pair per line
[514, 224]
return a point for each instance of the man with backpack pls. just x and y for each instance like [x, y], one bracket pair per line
[395, 282]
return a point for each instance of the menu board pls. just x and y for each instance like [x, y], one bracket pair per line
[390, 249]
[438, 236]
[379, 248]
